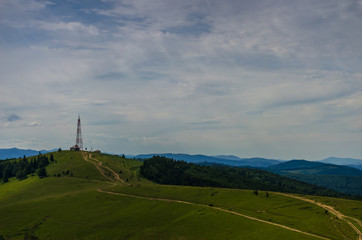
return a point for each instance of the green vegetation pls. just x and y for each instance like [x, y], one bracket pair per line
[348, 207]
[72, 164]
[167, 171]
[93, 215]
[128, 169]
[344, 184]
[22, 167]
[340, 178]
[275, 208]
[68, 205]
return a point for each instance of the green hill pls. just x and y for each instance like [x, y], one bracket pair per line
[100, 196]
[340, 178]
[168, 171]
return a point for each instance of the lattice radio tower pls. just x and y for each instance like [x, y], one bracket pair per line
[79, 141]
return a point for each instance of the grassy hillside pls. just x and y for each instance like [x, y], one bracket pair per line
[340, 178]
[344, 184]
[73, 203]
[167, 171]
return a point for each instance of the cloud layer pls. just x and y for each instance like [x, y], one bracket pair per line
[251, 78]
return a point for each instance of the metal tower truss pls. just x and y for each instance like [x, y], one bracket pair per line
[79, 141]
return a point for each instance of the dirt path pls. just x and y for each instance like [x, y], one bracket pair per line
[99, 165]
[212, 207]
[330, 209]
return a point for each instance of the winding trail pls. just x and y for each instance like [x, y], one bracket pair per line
[212, 207]
[331, 210]
[99, 165]
[116, 179]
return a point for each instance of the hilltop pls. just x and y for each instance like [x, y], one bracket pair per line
[101, 196]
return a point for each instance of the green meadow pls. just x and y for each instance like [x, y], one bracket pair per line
[68, 205]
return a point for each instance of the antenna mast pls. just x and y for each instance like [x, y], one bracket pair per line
[79, 141]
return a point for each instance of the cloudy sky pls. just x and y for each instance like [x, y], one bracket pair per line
[278, 79]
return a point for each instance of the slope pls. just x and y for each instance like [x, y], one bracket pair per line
[340, 178]
[167, 171]
[73, 203]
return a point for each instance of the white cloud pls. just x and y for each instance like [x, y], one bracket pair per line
[75, 27]
[242, 77]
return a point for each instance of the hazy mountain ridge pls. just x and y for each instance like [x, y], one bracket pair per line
[355, 166]
[227, 160]
[8, 153]
[314, 168]
[342, 161]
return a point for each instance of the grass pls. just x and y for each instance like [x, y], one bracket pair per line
[351, 208]
[70, 207]
[128, 169]
[277, 208]
[93, 215]
[348, 207]
[75, 164]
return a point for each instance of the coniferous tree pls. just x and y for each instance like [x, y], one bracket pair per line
[5, 177]
[42, 172]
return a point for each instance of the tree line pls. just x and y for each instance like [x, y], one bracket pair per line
[20, 168]
[168, 171]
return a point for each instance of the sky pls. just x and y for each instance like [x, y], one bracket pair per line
[253, 78]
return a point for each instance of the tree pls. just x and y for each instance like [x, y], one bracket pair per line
[42, 172]
[21, 174]
[5, 176]
[51, 158]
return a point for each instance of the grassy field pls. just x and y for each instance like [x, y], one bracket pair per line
[276, 208]
[69, 206]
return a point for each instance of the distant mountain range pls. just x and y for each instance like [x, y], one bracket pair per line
[7, 153]
[222, 159]
[345, 179]
[314, 168]
[250, 162]
[351, 162]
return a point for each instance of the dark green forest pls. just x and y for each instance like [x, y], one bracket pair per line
[343, 179]
[167, 171]
[20, 168]
[344, 184]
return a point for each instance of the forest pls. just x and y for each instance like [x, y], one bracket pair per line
[20, 168]
[168, 171]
